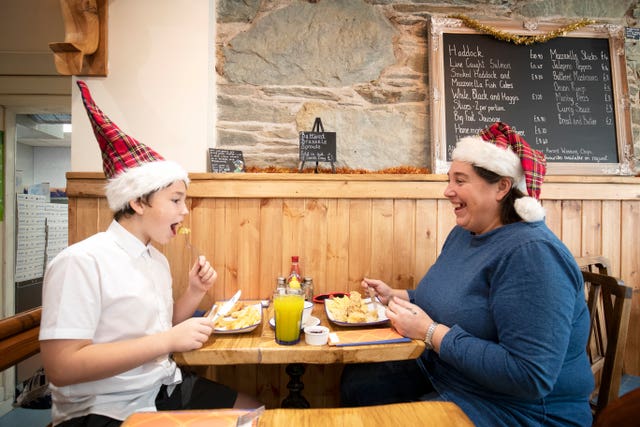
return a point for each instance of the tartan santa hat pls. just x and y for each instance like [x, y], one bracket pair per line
[132, 168]
[502, 150]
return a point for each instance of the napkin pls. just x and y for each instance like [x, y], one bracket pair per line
[365, 336]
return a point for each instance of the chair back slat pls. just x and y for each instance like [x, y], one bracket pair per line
[594, 264]
[609, 302]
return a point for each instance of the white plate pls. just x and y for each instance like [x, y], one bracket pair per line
[382, 317]
[311, 321]
[242, 330]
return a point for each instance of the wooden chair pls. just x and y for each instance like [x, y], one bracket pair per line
[600, 264]
[624, 412]
[19, 337]
[609, 302]
[594, 264]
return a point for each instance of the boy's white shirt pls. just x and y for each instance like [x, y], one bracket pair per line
[109, 287]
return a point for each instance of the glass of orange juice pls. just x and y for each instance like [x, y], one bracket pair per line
[288, 308]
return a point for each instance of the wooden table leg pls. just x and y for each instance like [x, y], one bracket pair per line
[295, 386]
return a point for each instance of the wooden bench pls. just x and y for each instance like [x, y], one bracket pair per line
[19, 337]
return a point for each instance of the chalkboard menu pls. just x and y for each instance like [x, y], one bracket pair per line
[559, 95]
[221, 160]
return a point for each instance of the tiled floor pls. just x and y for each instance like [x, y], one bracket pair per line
[20, 417]
[628, 383]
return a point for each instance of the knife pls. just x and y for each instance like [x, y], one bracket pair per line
[225, 308]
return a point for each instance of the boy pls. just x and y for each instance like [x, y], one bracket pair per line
[109, 323]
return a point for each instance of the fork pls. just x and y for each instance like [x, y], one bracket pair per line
[191, 247]
[372, 297]
[185, 232]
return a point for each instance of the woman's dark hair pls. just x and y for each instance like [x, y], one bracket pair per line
[128, 211]
[508, 214]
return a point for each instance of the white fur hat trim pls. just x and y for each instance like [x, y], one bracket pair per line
[529, 209]
[504, 162]
[140, 180]
[487, 155]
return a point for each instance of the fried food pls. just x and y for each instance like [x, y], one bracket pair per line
[242, 315]
[350, 309]
[183, 230]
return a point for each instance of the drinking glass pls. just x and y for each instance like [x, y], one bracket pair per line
[287, 309]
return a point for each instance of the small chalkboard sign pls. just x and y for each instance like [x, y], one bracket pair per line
[318, 145]
[632, 33]
[226, 160]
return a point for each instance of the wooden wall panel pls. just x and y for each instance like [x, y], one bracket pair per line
[382, 240]
[270, 239]
[232, 244]
[611, 233]
[445, 221]
[571, 223]
[315, 240]
[425, 237]
[337, 246]
[591, 228]
[630, 273]
[346, 229]
[404, 244]
[360, 236]
[553, 209]
[216, 242]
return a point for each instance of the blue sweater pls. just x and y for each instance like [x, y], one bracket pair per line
[516, 351]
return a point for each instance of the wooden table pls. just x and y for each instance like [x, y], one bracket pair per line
[259, 347]
[435, 414]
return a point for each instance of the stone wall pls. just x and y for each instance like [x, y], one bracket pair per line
[359, 65]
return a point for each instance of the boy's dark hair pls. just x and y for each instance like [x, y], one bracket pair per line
[128, 211]
[508, 214]
[144, 199]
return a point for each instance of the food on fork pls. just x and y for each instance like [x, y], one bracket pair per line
[351, 309]
[181, 229]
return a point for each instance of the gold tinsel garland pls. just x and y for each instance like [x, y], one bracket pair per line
[339, 170]
[518, 39]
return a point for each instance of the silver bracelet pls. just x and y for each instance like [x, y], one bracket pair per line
[429, 336]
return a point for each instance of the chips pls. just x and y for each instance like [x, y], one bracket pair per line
[350, 309]
[183, 230]
[241, 316]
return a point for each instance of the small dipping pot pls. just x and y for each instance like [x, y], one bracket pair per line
[316, 335]
[319, 299]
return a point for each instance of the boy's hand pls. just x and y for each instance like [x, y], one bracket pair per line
[190, 334]
[202, 275]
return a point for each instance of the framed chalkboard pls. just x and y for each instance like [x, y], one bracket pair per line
[567, 96]
[221, 160]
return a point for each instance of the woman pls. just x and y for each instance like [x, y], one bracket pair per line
[502, 311]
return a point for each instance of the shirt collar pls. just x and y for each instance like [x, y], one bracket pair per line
[127, 241]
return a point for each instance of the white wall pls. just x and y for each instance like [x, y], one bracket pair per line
[24, 166]
[160, 84]
[51, 165]
[42, 164]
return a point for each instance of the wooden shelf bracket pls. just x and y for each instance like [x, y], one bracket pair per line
[84, 49]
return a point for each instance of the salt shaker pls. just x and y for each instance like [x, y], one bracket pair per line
[307, 286]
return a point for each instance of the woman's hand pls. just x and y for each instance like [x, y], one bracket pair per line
[408, 319]
[382, 290]
[202, 275]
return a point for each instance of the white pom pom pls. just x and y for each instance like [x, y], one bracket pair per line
[529, 209]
